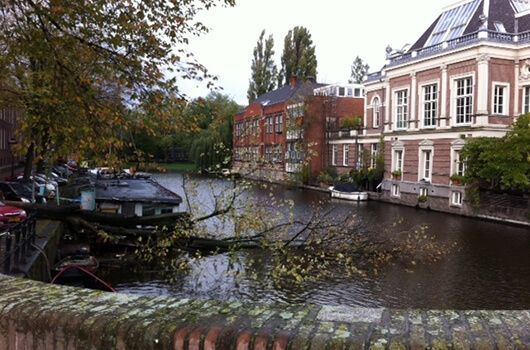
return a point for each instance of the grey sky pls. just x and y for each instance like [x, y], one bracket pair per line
[341, 29]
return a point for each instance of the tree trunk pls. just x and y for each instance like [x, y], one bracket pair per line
[28, 165]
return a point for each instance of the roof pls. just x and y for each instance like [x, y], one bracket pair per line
[286, 92]
[135, 190]
[466, 16]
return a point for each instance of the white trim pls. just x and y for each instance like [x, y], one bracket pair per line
[456, 146]
[452, 88]
[421, 98]
[452, 198]
[505, 102]
[425, 146]
[448, 135]
[394, 107]
[374, 126]
[334, 155]
[344, 157]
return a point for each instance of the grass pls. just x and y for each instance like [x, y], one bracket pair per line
[178, 167]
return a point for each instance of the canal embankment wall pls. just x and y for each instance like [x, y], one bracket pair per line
[35, 315]
[497, 207]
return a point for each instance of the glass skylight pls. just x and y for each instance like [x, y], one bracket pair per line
[521, 5]
[453, 22]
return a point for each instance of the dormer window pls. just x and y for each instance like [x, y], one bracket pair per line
[499, 27]
[453, 22]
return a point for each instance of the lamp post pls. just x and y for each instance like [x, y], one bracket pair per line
[12, 141]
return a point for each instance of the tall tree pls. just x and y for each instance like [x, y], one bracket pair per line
[298, 56]
[264, 71]
[358, 70]
[77, 67]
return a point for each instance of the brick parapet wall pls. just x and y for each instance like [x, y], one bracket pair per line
[34, 315]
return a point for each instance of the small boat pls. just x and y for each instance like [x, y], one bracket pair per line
[87, 262]
[348, 191]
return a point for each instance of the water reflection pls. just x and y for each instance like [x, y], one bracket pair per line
[490, 269]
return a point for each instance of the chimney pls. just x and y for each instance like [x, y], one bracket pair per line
[293, 81]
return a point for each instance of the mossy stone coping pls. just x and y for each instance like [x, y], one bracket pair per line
[35, 315]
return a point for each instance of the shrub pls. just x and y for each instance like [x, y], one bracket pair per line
[458, 179]
[422, 199]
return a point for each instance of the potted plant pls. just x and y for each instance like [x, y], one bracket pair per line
[396, 174]
[458, 179]
[423, 201]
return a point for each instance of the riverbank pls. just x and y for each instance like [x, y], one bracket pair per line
[378, 196]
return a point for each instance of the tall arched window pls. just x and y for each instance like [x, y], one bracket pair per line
[376, 107]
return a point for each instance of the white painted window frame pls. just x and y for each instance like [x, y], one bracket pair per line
[394, 191]
[526, 98]
[421, 95]
[345, 154]
[506, 98]
[456, 148]
[397, 106]
[376, 110]
[453, 86]
[456, 195]
[334, 155]
[425, 146]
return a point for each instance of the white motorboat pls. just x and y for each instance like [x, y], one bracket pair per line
[348, 191]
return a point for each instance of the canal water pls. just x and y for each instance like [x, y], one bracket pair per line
[488, 269]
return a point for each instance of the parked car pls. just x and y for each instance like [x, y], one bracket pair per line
[11, 215]
[19, 192]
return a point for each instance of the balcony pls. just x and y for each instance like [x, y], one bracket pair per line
[341, 134]
[460, 42]
[293, 168]
[294, 135]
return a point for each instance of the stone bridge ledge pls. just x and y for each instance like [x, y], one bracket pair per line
[35, 315]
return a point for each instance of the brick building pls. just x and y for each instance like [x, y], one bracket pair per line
[284, 129]
[468, 75]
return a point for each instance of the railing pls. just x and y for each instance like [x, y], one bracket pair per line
[15, 244]
[492, 36]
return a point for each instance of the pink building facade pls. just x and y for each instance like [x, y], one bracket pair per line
[468, 75]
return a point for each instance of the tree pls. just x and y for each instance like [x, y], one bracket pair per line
[77, 69]
[264, 71]
[500, 162]
[358, 70]
[298, 56]
[211, 148]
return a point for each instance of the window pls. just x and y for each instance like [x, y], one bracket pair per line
[426, 165]
[359, 156]
[279, 123]
[464, 100]
[401, 98]
[453, 22]
[500, 98]
[342, 91]
[424, 192]
[345, 154]
[398, 160]
[499, 26]
[395, 190]
[459, 166]
[373, 153]
[456, 198]
[357, 92]
[269, 125]
[430, 105]
[526, 100]
[376, 107]
[350, 92]
[334, 155]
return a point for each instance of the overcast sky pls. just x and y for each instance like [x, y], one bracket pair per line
[341, 29]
